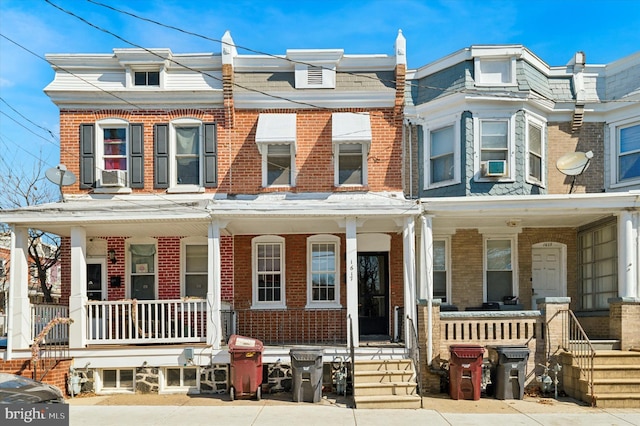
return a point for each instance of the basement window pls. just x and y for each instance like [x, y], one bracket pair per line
[180, 379]
[117, 380]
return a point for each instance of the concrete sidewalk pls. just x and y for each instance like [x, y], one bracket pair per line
[151, 410]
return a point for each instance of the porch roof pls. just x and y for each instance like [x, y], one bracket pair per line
[535, 211]
[187, 215]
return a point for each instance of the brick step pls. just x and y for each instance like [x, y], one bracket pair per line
[387, 365]
[383, 376]
[388, 401]
[387, 388]
[618, 400]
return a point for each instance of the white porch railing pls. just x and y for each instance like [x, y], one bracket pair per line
[41, 315]
[146, 321]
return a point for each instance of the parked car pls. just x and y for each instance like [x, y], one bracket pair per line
[17, 389]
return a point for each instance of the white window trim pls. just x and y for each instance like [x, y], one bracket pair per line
[336, 164]
[514, 263]
[265, 160]
[447, 250]
[165, 389]
[268, 239]
[478, 71]
[184, 242]
[427, 129]
[614, 149]
[316, 304]
[131, 78]
[174, 187]
[101, 125]
[127, 268]
[99, 382]
[477, 146]
[539, 122]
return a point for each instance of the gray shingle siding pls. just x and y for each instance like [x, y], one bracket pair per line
[623, 83]
[285, 81]
[442, 83]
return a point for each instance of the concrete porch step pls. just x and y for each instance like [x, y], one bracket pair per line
[388, 401]
[602, 344]
[618, 400]
[605, 386]
[614, 371]
[388, 365]
[381, 389]
[383, 376]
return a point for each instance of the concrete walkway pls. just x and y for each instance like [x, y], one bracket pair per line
[164, 410]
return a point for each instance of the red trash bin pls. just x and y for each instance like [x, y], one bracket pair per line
[465, 371]
[246, 367]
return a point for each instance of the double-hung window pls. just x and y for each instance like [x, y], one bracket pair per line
[441, 153]
[268, 272]
[195, 260]
[351, 134]
[323, 268]
[499, 265]
[441, 276]
[351, 164]
[185, 155]
[535, 137]
[627, 139]
[276, 141]
[494, 154]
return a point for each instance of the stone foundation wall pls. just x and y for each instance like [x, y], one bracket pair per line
[214, 379]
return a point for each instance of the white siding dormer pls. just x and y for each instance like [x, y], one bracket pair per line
[315, 69]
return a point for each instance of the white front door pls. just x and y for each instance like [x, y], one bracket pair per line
[548, 271]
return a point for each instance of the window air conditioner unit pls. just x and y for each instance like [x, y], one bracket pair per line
[114, 178]
[494, 168]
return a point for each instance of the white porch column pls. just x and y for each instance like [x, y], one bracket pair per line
[426, 277]
[628, 254]
[352, 282]
[214, 327]
[19, 308]
[78, 295]
[409, 275]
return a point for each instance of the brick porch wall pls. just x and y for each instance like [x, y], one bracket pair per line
[23, 367]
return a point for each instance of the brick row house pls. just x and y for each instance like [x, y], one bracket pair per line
[338, 201]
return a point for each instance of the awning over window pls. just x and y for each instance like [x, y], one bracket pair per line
[276, 129]
[351, 127]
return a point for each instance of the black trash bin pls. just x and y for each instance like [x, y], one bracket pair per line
[509, 366]
[306, 366]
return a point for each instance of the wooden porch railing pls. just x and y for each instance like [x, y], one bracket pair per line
[146, 321]
[576, 341]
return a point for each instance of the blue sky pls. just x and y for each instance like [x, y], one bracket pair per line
[606, 30]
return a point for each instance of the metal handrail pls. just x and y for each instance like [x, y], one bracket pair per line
[49, 354]
[352, 353]
[414, 354]
[576, 341]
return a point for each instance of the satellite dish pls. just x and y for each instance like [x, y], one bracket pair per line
[574, 164]
[60, 176]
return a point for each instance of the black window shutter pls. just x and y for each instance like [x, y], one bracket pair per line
[161, 156]
[136, 156]
[210, 155]
[87, 156]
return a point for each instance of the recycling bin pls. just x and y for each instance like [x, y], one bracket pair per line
[246, 367]
[465, 371]
[509, 365]
[306, 367]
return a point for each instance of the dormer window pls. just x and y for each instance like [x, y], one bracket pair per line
[147, 78]
[315, 69]
[495, 71]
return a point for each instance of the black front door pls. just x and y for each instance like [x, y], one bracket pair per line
[373, 293]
